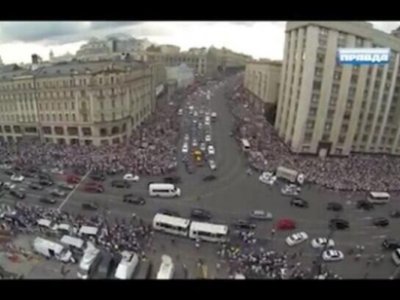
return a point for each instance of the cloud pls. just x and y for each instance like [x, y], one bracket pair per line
[385, 26]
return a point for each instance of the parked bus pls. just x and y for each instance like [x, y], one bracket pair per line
[172, 225]
[167, 268]
[89, 262]
[208, 232]
[245, 145]
[164, 190]
[378, 197]
[127, 266]
[288, 174]
[52, 249]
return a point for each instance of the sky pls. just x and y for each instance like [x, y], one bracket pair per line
[19, 40]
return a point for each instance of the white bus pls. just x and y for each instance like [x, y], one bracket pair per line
[72, 242]
[127, 266]
[169, 224]
[245, 145]
[167, 268]
[164, 190]
[89, 262]
[88, 231]
[288, 174]
[52, 249]
[378, 197]
[208, 232]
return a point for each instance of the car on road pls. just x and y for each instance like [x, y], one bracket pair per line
[120, 184]
[8, 172]
[93, 187]
[211, 150]
[390, 244]
[203, 147]
[172, 179]
[364, 204]
[285, 224]
[36, 186]
[208, 138]
[299, 202]
[72, 179]
[186, 137]
[65, 186]
[332, 255]
[334, 206]
[17, 178]
[212, 164]
[260, 215]
[134, 199]
[380, 222]
[57, 193]
[9, 185]
[185, 148]
[169, 212]
[45, 182]
[209, 178]
[244, 225]
[290, 190]
[339, 224]
[267, 178]
[296, 238]
[180, 112]
[90, 206]
[57, 171]
[17, 194]
[98, 177]
[194, 143]
[395, 214]
[200, 214]
[321, 242]
[130, 177]
[47, 200]
[27, 174]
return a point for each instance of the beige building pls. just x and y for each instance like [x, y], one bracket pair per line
[68, 103]
[327, 108]
[261, 80]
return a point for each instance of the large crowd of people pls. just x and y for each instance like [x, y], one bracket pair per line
[357, 172]
[150, 150]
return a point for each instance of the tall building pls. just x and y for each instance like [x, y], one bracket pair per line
[77, 102]
[261, 81]
[328, 108]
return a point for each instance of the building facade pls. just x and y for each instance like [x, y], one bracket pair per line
[75, 103]
[328, 108]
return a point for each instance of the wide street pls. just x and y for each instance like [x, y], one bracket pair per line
[233, 195]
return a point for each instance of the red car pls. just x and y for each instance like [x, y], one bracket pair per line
[285, 224]
[73, 179]
[94, 187]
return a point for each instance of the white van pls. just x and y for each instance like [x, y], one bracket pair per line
[88, 231]
[52, 249]
[378, 197]
[170, 224]
[396, 257]
[164, 190]
[127, 266]
[208, 232]
[72, 242]
[167, 268]
[89, 262]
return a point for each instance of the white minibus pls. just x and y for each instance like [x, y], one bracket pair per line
[167, 268]
[127, 266]
[245, 145]
[164, 190]
[378, 197]
[208, 232]
[170, 224]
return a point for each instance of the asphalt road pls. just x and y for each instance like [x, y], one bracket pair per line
[234, 194]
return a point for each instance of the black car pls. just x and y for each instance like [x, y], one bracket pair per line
[338, 224]
[44, 176]
[299, 202]
[46, 200]
[106, 267]
[334, 206]
[244, 225]
[390, 244]
[134, 199]
[200, 214]
[364, 204]
[172, 179]
[27, 174]
[57, 193]
[36, 186]
[209, 178]
[169, 212]
[45, 182]
[395, 214]
[18, 194]
[90, 206]
[8, 172]
[120, 184]
[380, 221]
[98, 177]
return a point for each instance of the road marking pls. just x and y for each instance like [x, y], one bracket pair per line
[73, 191]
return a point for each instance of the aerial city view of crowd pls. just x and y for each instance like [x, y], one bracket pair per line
[358, 172]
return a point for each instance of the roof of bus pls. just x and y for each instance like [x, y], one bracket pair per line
[44, 222]
[208, 227]
[166, 268]
[88, 230]
[161, 185]
[70, 240]
[171, 220]
[57, 248]
[379, 194]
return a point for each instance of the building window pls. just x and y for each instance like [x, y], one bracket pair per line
[66, 117]
[102, 117]
[73, 117]
[86, 131]
[317, 86]
[84, 117]
[73, 105]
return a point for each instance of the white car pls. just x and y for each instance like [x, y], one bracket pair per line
[214, 115]
[17, 178]
[332, 255]
[185, 148]
[267, 178]
[131, 177]
[57, 171]
[208, 138]
[180, 112]
[195, 114]
[212, 164]
[211, 150]
[319, 243]
[9, 186]
[203, 147]
[296, 238]
[194, 143]
[186, 137]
